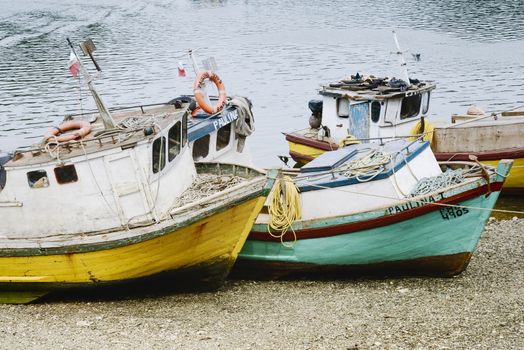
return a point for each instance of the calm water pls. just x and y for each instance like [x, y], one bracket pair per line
[275, 52]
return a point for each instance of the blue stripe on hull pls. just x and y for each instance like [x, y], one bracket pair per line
[424, 236]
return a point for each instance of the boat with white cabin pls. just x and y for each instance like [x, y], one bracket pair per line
[115, 197]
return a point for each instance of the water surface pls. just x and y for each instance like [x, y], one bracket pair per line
[275, 52]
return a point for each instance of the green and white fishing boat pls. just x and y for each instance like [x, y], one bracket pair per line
[371, 208]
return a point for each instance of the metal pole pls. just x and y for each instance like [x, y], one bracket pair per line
[107, 119]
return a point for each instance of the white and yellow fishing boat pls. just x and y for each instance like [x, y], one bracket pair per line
[371, 109]
[119, 199]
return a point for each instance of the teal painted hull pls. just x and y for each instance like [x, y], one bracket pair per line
[434, 235]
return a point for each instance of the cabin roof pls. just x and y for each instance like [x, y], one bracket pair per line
[131, 122]
[372, 88]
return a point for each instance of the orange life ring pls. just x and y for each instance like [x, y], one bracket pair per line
[199, 96]
[82, 128]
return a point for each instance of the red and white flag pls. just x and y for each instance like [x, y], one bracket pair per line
[74, 64]
[181, 70]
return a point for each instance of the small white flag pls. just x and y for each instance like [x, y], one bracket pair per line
[74, 64]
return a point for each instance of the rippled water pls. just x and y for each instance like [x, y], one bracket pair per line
[275, 52]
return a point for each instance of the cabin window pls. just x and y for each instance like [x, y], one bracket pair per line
[410, 106]
[159, 154]
[425, 102]
[37, 179]
[66, 174]
[201, 148]
[375, 111]
[223, 136]
[174, 137]
[184, 130]
[3, 175]
[343, 107]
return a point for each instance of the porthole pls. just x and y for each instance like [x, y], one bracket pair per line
[66, 174]
[37, 179]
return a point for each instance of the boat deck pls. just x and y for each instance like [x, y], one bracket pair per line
[130, 122]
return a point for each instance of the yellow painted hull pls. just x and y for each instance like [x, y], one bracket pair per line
[304, 150]
[213, 241]
[515, 180]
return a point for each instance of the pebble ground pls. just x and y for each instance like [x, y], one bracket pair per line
[483, 308]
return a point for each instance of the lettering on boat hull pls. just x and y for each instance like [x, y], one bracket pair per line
[226, 119]
[412, 205]
[453, 212]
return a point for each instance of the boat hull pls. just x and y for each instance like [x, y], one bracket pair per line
[424, 240]
[304, 149]
[203, 251]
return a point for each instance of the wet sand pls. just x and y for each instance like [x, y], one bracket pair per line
[480, 309]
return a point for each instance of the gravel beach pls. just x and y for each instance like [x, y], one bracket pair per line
[483, 308]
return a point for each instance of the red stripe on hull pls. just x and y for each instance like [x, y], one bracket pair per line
[377, 222]
[511, 153]
[323, 145]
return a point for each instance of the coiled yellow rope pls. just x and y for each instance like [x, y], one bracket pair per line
[284, 209]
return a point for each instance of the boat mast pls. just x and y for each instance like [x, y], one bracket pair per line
[402, 61]
[107, 119]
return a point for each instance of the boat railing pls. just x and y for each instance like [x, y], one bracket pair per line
[140, 107]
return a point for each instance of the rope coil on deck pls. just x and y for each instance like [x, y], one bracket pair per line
[368, 167]
[284, 209]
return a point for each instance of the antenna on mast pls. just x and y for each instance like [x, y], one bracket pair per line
[403, 64]
[87, 48]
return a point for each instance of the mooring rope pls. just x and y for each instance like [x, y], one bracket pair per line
[284, 209]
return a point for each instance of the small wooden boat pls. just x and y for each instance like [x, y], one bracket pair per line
[372, 209]
[489, 138]
[115, 197]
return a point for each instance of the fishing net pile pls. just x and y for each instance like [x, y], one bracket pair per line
[206, 185]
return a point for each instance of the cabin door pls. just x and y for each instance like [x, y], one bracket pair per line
[359, 120]
[128, 188]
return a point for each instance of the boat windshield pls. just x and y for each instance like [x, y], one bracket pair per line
[410, 106]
